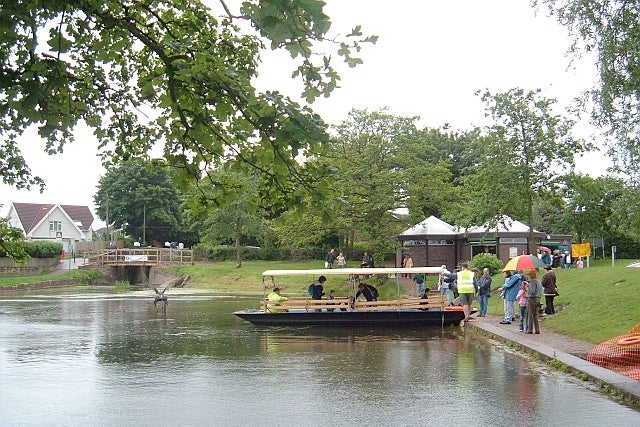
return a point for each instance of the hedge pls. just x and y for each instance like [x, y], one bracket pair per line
[44, 249]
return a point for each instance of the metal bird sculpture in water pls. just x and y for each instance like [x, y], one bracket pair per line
[161, 298]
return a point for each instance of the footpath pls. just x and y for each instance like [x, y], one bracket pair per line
[552, 346]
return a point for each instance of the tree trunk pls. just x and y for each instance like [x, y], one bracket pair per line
[237, 239]
[532, 243]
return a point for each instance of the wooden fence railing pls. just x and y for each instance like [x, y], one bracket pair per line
[143, 256]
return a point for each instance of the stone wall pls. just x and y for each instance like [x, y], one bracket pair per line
[8, 267]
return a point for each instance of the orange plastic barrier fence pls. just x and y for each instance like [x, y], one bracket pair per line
[620, 354]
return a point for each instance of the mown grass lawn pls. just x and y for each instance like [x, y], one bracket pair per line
[595, 303]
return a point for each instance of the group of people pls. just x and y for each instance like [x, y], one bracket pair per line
[463, 285]
[527, 292]
[334, 258]
[316, 292]
[559, 259]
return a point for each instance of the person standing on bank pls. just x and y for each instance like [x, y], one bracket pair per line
[534, 293]
[331, 257]
[407, 263]
[550, 290]
[522, 303]
[510, 291]
[467, 287]
[484, 291]
[342, 261]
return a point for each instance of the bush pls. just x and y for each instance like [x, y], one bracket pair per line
[484, 260]
[43, 249]
[206, 252]
[85, 276]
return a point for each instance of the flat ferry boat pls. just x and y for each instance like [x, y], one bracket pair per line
[399, 312]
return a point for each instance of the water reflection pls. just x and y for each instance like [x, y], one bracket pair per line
[112, 360]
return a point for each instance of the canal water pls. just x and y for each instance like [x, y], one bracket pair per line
[102, 359]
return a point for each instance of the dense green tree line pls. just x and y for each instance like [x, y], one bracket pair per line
[250, 167]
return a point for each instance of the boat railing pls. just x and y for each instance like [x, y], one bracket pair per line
[306, 304]
[344, 304]
[434, 302]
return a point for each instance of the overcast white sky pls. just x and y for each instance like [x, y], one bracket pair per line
[430, 59]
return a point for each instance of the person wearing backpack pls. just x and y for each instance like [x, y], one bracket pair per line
[316, 289]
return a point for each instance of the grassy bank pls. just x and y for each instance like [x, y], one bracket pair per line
[14, 280]
[595, 303]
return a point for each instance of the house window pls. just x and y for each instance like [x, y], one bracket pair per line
[55, 226]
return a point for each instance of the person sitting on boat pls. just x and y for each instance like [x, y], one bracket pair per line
[275, 296]
[275, 299]
[316, 290]
[424, 298]
[370, 292]
[332, 296]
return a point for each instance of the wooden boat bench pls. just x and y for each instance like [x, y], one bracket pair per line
[434, 302]
[307, 304]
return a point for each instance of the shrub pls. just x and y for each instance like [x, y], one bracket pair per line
[485, 260]
[84, 276]
[122, 286]
[43, 249]
[207, 252]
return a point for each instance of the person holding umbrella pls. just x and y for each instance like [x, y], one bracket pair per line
[512, 284]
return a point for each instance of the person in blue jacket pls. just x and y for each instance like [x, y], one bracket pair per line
[509, 292]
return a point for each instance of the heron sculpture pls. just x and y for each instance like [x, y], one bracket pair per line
[160, 296]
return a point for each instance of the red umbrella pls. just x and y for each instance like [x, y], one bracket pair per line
[524, 262]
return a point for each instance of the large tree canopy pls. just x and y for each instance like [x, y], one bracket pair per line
[140, 197]
[528, 150]
[237, 221]
[165, 71]
[612, 30]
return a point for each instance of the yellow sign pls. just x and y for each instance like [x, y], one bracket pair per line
[581, 250]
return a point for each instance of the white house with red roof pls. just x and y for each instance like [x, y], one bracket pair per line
[69, 223]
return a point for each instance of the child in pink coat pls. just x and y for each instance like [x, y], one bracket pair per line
[522, 302]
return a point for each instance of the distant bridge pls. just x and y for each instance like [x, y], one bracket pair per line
[134, 264]
[142, 257]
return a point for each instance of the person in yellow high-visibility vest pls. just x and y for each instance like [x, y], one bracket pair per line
[467, 287]
[274, 301]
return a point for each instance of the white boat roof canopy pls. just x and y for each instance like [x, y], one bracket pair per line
[353, 271]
